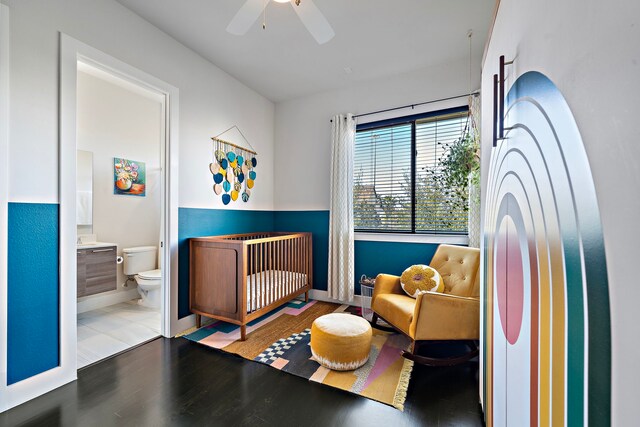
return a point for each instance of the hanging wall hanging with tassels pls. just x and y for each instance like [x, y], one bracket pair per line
[233, 168]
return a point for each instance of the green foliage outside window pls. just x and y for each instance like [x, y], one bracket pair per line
[441, 193]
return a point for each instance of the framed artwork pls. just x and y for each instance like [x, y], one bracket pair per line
[129, 177]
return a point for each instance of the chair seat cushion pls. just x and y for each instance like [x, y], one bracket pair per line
[395, 309]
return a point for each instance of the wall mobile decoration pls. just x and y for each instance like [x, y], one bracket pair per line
[232, 168]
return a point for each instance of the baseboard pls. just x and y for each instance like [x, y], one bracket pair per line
[183, 324]
[95, 302]
[324, 296]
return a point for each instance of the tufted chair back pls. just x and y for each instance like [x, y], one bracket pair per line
[459, 267]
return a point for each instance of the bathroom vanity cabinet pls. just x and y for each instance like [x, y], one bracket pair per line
[97, 270]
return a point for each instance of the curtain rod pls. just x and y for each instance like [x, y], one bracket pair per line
[476, 93]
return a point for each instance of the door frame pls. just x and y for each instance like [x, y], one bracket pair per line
[71, 52]
[4, 195]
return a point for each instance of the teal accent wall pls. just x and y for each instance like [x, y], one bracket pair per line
[389, 257]
[33, 268]
[33, 341]
[371, 257]
[211, 222]
[317, 223]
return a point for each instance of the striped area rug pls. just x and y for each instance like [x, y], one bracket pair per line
[281, 338]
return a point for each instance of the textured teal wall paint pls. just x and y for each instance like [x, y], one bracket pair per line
[389, 257]
[33, 290]
[317, 223]
[211, 222]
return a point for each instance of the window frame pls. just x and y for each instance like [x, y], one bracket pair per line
[416, 236]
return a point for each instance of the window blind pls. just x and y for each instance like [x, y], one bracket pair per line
[438, 207]
[382, 181]
[396, 190]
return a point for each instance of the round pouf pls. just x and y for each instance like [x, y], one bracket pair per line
[340, 341]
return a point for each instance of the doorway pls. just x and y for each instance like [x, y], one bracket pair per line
[119, 186]
[127, 178]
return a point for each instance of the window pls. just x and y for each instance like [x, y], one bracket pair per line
[395, 191]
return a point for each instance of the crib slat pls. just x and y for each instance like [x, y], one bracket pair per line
[256, 279]
[269, 282]
[290, 266]
[254, 269]
[280, 267]
[256, 254]
[274, 272]
[272, 267]
[285, 267]
[265, 268]
[296, 255]
[261, 269]
[300, 262]
[259, 290]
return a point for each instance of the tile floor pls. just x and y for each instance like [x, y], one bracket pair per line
[110, 330]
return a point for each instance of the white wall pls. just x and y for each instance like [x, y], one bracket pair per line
[303, 130]
[115, 122]
[590, 50]
[210, 100]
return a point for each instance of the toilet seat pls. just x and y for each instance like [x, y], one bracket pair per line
[150, 275]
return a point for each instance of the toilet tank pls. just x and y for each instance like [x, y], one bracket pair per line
[139, 259]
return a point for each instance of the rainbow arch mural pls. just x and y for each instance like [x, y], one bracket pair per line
[547, 352]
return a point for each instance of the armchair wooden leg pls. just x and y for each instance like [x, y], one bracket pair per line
[243, 332]
[446, 361]
[198, 321]
[374, 324]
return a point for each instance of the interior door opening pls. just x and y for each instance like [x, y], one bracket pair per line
[119, 213]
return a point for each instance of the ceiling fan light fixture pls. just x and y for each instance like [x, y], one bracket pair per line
[307, 11]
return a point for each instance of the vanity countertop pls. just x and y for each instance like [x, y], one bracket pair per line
[95, 245]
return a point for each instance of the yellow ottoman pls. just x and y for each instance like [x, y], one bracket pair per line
[340, 341]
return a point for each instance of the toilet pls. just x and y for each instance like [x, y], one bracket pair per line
[141, 262]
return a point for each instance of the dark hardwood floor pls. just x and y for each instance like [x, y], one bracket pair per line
[175, 382]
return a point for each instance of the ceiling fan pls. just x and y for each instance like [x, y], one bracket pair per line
[307, 11]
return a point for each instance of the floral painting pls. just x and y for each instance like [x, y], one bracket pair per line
[129, 177]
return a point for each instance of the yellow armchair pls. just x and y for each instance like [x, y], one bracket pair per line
[452, 315]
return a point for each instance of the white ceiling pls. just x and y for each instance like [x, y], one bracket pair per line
[374, 38]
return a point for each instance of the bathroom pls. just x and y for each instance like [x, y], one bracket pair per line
[120, 126]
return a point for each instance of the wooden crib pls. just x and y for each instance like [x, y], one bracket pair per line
[240, 277]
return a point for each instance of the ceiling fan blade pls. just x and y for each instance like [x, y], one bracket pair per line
[246, 16]
[314, 20]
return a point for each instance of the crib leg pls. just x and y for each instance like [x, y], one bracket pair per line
[243, 333]
[306, 296]
[198, 321]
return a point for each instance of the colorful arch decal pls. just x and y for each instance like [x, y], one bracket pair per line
[547, 352]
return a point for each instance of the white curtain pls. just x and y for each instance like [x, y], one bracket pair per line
[341, 255]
